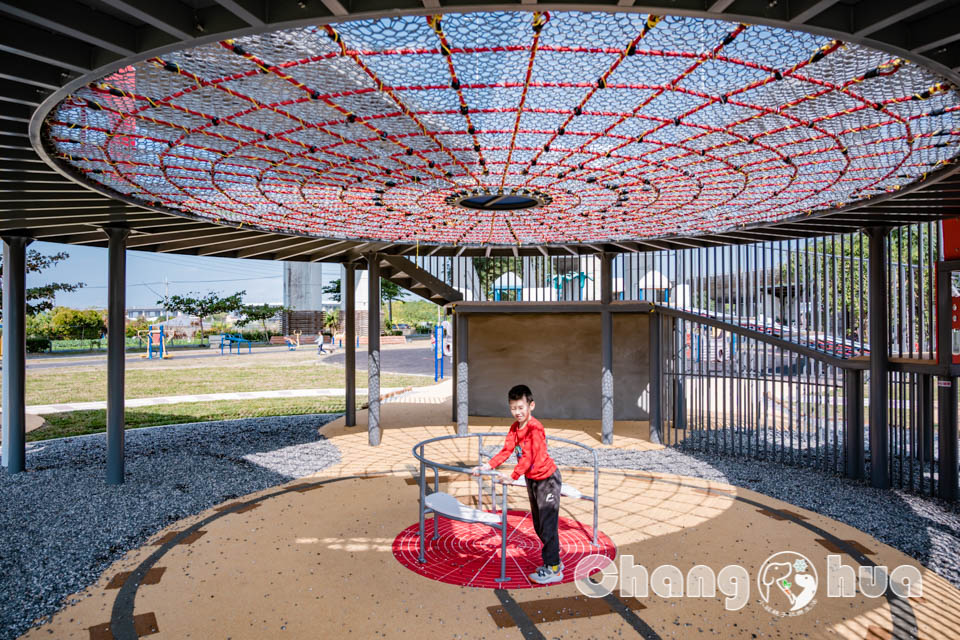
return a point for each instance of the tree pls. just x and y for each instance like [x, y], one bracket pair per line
[390, 291]
[261, 313]
[331, 320]
[333, 290]
[195, 305]
[71, 324]
[42, 298]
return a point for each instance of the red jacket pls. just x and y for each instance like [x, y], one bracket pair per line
[530, 445]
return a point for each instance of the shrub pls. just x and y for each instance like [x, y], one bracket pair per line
[38, 345]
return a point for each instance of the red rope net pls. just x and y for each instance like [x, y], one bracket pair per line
[622, 126]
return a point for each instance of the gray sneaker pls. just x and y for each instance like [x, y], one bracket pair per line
[546, 575]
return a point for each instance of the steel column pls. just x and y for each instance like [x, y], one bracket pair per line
[606, 337]
[14, 352]
[656, 378]
[926, 418]
[463, 357]
[853, 397]
[349, 288]
[946, 390]
[373, 348]
[116, 349]
[454, 361]
[879, 360]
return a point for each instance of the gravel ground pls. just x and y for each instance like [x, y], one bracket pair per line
[926, 529]
[171, 473]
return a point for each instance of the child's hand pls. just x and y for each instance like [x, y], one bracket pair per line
[504, 479]
[483, 467]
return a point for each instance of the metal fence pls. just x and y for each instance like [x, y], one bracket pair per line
[766, 352]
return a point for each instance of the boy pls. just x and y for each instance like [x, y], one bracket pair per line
[528, 440]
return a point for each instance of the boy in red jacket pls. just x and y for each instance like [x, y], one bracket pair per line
[528, 440]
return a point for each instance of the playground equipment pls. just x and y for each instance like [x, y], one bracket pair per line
[229, 340]
[442, 346]
[156, 341]
[446, 505]
[292, 344]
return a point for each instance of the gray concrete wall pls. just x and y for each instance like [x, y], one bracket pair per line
[558, 357]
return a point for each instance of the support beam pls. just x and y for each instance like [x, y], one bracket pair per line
[656, 378]
[606, 333]
[879, 360]
[946, 389]
[453, 364]
[925, 447]
[14, 352]
[463, 378]
[116, 339]
[373, 348]
[349, 288]
[853, 429]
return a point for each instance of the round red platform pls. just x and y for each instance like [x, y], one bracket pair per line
[468, 554]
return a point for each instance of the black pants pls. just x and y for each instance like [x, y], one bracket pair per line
[545, 511]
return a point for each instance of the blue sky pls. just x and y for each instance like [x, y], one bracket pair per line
[262, 279]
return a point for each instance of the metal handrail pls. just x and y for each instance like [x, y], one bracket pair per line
[418, 453]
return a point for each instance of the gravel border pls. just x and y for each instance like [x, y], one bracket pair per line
[926, 529]
[171, 472]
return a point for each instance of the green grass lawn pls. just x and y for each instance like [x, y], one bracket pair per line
[52, 386]
[76, 423]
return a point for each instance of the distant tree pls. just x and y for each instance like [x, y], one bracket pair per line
[331, 320]
[71, 324]
[194, 304]
[489, 269]
[42, 298]
[260, 313]
[333, 290]
[389, 292]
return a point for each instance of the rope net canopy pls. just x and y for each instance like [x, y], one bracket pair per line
[510, 128]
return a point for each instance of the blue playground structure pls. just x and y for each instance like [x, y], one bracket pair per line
[156, 342]
[229, 340]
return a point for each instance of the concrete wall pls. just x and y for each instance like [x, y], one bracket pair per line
[558, 357]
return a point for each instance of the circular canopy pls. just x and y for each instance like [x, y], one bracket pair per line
[619, 126]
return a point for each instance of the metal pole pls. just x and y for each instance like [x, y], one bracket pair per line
[373, 348]
[455, 362]
[879, 361]
[14, 352]
[926, 417]
[946, 392]
[606, 338]
[656, 378]
[349, 288]
[853, 394]
[116, 337]
[463, 358]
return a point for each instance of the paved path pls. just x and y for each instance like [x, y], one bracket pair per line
[411, 360]
[43, 409]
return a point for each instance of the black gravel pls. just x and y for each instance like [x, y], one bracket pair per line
[926, 529]
[61, 525]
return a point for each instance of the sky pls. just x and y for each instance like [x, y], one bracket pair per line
[146, 271]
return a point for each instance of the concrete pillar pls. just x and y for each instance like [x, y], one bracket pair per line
[656, 378]
[879, 361]
[373, 349]
[350, 343]
[116, 349]
[463, 358]
[14, 352]
[606, 336]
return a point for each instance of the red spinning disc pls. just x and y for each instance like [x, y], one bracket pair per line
[468, 554]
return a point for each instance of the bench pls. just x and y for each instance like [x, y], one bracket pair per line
[448, 506]
[229, 340]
